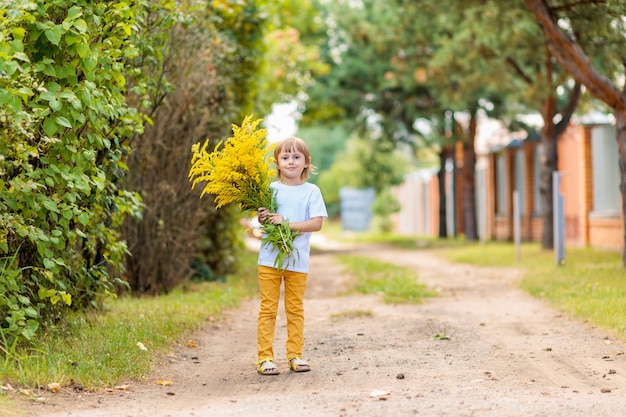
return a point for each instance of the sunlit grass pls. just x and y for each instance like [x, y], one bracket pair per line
[333, 230]
[590, 285]
[102, 350]
[396, 284]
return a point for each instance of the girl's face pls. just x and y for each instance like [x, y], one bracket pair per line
[291, 164]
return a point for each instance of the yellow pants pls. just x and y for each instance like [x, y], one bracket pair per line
[269, 285]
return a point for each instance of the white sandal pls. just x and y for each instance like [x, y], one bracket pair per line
[299, 365]
[267, 367]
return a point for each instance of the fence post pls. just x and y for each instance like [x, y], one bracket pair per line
[558, 219]
[516, 224]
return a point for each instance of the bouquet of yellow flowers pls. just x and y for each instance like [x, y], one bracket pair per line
[238, 171]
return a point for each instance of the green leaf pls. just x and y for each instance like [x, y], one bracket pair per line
[54, 34]
[23, 299]
[48, 263]
[63, 122]
[10, 67]
[83, 218]
[50, 127]
[44, 293]
[51, 205]
[21, 56]
[18, 33]
[30, 330]
[55, 105]
[91, 61]
[81, 25]
[82, 49]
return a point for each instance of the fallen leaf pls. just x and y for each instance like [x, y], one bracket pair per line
[54, 387]
[164, 382]
[123, 387]
[192, 343]
[142, 346]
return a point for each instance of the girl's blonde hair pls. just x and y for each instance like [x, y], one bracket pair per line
[294, 144]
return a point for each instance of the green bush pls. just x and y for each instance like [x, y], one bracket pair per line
[65, 126]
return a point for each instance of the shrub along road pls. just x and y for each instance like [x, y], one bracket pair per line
[481, 348]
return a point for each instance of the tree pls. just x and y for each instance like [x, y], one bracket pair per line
[179, 234]
[221, 60]
[567, 29]
[378, 85]
[365, 163]
[491, 58]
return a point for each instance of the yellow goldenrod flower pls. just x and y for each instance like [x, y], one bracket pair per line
[238, 171]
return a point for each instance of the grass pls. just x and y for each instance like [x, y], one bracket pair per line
[78, 352]
[333, 230]
[396, 284]
[589, 286]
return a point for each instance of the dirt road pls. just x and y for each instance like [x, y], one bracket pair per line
[508, 355]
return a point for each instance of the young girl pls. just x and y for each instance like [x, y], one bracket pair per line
[301, 204]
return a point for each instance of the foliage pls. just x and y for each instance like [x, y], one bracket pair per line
[240, 26]
[364, 163]
[291, 61]
[206, 61]
[584, 38]
[326, 143]
[384, 206]
[79, 354]
[238, 172]
[397, 284]
[65, 127]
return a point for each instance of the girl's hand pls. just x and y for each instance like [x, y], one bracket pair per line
[276, 218]
[263, 214]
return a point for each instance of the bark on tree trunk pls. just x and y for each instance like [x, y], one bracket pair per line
[441, 175]
[548, 163]
[469, 182]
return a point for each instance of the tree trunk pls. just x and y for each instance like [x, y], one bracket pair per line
[441, 175]
[469, 183]
[548, 162]
[572, 57]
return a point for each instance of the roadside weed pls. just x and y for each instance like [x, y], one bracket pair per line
[396, 284]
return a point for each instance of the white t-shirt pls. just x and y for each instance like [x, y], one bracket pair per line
[296, 203]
